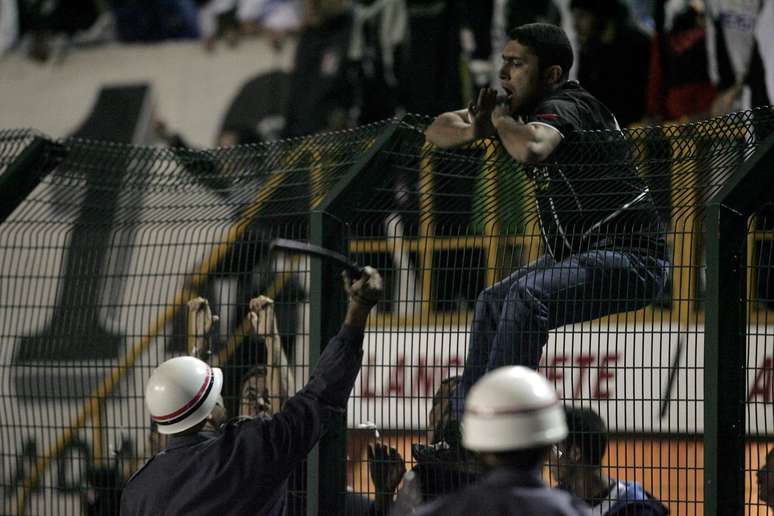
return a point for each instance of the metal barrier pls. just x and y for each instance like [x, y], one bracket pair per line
[101, 245]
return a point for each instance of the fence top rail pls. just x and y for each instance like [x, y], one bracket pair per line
[683, 166]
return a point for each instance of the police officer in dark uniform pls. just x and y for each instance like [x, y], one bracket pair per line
[605, 241]
[243, 468]
[512, 420]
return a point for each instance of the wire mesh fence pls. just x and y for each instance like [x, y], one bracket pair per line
[590, 266]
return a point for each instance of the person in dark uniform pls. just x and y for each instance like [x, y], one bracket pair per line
[577, 467]
[243, 468]
[512, 418]
[607, 34]
[605, 242]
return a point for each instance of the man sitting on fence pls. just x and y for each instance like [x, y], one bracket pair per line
[243, 468]
[605, 242]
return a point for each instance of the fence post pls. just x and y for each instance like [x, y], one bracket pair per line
[326, 464]
[724, 354]
[328, 476]
[725, 350]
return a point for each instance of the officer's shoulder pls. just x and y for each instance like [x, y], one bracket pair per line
[240, 422]
[142, 468]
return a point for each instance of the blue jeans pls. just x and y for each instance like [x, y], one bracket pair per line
[513, 317]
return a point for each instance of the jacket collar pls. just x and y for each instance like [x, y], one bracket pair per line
[505, 476]
[189, 440]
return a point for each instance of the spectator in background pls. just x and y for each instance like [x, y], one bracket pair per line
[258, 106]
[387, 469]
[614, 56]
[235, 135]
[101, 495]
[431, 77]
[740, 35]
[198, 342]
[439, 468]
[102, 492]
[155, 20]
[577, 467]
[379, 46]
[512, 418]
[764, 34]
[276, 19]
[218, 20]
[9, 24]
[277, 377]
[229, 19]
[324, 82]
[680, 86]
[734, 62]
[243, 468]
[254, 399]
[766, 480]
[44, 23]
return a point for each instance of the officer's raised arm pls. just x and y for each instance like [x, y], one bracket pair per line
[305, 416]
[243, 467]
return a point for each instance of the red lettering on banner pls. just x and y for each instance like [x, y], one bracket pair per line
[600, 379]
[583, 361]
[553, 374]
[397, 377]
[423, 382]
[762, 384]
[425, 377]
[604, 375]
[366, 390]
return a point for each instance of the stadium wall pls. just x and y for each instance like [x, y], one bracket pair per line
[56, 96]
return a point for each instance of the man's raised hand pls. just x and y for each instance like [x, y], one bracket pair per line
[200, 321]
[480, 113]
[262, 315]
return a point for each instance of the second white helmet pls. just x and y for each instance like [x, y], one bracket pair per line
[512, 408]
[181, 393]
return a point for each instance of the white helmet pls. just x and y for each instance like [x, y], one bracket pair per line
[181, 393]
[512, 408]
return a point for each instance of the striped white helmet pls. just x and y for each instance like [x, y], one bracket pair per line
[512, 408]
[181, 393]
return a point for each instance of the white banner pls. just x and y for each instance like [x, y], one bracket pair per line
[639, 378]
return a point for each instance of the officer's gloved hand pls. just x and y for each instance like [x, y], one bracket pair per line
[366, 290]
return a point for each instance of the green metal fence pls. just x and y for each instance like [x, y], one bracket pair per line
[101, 245]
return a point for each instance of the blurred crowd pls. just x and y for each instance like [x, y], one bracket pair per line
[41, 27]
[358, 61]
